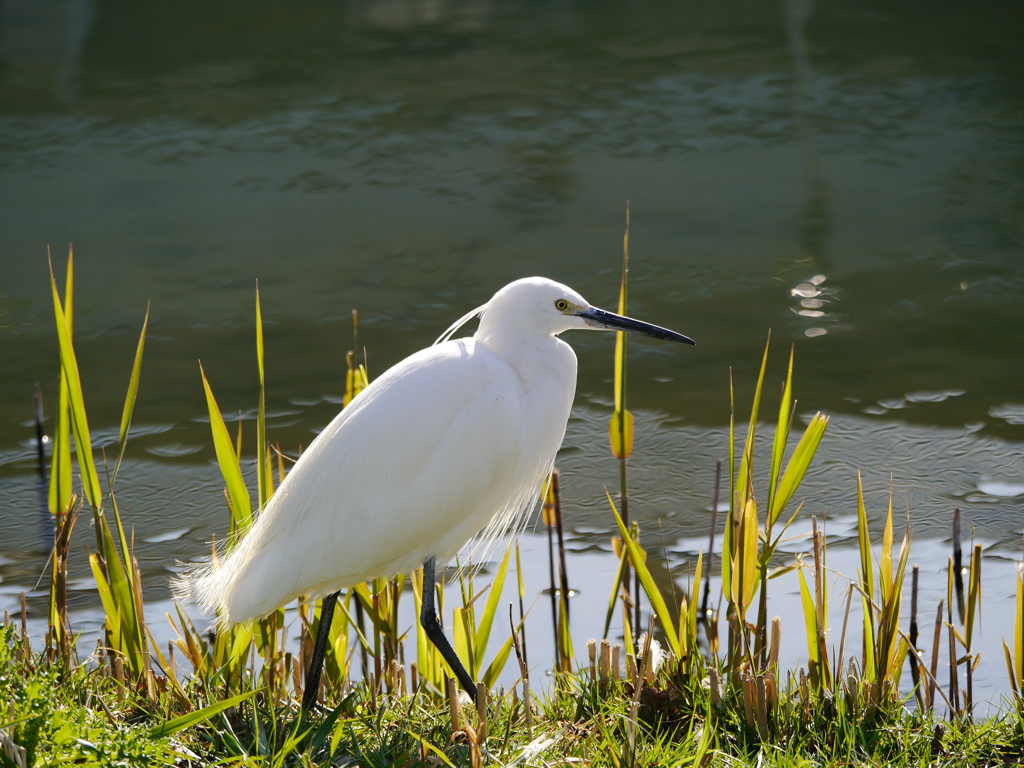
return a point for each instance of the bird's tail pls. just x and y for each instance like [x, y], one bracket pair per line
[206, 586]
[236, 585]
[209, 587]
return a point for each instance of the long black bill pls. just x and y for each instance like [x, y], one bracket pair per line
[598, 318]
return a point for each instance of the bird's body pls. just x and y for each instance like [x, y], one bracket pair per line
[454, 440]
[454, 437]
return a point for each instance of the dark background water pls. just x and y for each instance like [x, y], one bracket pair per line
[849, 175]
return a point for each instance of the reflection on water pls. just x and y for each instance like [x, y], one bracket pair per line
[849, 177]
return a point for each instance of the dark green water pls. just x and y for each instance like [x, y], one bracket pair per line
[409, 158]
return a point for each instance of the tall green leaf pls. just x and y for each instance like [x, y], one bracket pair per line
[241, 505]
[647, 581]
[781, 436]
[798, 464]
[171, 727]
[129, 400]
[60, 473]
[79, 421]
[483, 632]
[262, 470]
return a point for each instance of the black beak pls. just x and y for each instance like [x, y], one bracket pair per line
[598, 318]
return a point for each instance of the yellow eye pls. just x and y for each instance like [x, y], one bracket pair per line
[561, 305]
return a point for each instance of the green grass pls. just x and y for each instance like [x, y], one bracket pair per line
[85, 717]
[709, 703]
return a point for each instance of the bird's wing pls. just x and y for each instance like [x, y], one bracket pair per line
[413, 467]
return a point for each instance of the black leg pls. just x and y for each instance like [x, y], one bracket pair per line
[316, 664]
[434, 630]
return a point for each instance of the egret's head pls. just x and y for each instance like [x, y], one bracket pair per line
[538, 306]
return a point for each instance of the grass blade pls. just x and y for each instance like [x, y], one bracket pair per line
[79, 422]
[241, 505]
[171, 727]
[483, 632]
[781, 436]
[798, 464]
[653, 594]
[60, 491]
[262, 470]
[129, 401]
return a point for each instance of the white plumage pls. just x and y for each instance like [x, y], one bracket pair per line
[453, 438]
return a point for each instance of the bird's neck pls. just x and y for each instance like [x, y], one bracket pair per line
[533, 356]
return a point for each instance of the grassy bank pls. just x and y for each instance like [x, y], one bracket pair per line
[89, 717]
[689, 681]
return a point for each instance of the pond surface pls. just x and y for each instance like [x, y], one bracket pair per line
[849, 176]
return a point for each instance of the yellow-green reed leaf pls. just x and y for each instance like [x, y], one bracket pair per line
[170, 727]
[727, 542]
[864, 543]
[615, 592]
[356, 379]
[810, 617]
[124, 597]
[650, 588]
[60, 473]
[743, 481]
[888, 630]
[343, 605]
[1018, 630]
[547, 512]
[621, 439]
[497, 663]
[483, 632]
[782, 570]
[798, 464]
[79, 421]
[129, 400]
[259, 334]
[69, 292]
[781, 436]
[949, 589]
[519, 573]
[241, 639]
[440, 755]
[363, 595]
[462, 642]
[262, 470]
[270, 472]
[619, 376]
[565, 650]
[190, 642]
[973, 593]
[110, 608]
[53, 614]
[688, 638]
[120, 536]
[748, 552]
[337, 659]
[228, 461]
[885, 561]
[60, 466]
[627, 631]
[870, 667]
[1009, 668]
[896, 664]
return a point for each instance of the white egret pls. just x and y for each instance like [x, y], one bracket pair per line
[454, 440]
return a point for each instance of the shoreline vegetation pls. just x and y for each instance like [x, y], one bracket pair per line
[691, 680]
